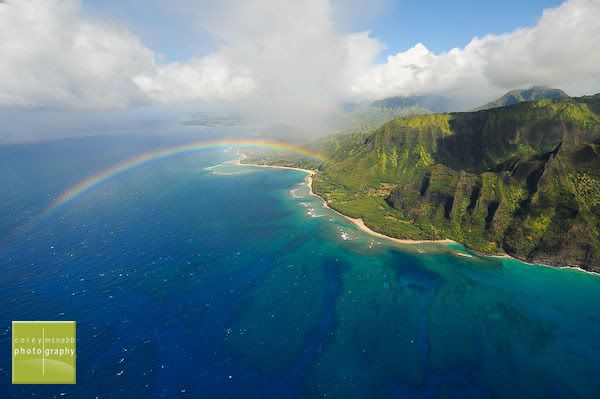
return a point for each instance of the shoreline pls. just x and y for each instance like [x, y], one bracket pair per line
[357, 222]
[364, 228]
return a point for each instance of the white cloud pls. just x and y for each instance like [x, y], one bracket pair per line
[280, 61]
[207, 78]
[52, 57]
[561, 50]
[300, 60]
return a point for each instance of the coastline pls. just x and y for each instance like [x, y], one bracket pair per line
[361, 224]
[357, 222]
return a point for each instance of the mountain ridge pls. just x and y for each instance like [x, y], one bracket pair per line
[521, 179]
[516, 96]
[367, 116]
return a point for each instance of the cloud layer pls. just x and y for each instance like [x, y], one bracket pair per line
[299, 61]
[562, 50]
[52, 57]
[282, 61]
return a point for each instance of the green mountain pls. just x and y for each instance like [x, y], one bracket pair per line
[356, 123]
[523, 179]
[431, 103]
[517, 96]
[366, 117]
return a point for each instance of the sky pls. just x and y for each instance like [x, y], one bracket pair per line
[439, 25]
[69, 64]
[443, 25]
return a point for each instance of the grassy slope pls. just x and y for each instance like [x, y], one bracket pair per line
[523, 179]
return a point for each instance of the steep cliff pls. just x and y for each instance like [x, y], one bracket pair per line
[523, 179]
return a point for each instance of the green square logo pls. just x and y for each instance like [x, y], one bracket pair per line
[43, 352]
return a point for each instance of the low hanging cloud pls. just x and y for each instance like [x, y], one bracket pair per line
[52, 57]
[562, 50]
[207, 78]
[279, 61]
[300, 61]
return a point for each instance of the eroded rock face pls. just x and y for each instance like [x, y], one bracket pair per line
[523, 179]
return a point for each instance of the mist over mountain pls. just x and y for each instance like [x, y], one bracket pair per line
[366, 116]
[532, 94]
[432, 103]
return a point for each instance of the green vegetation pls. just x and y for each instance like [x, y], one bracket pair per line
[532, 94]
[522, 179]
[366, 117]
[279, 158]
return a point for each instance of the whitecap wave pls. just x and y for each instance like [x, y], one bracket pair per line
[294, 193]
[226, 169]
[227, 173]
[344, 236]
[311, 212]
[464, 254]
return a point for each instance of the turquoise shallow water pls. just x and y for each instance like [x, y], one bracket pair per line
[194, 277]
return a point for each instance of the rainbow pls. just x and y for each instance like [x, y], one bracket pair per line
[128, 164]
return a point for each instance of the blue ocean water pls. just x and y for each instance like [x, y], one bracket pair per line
[194, 277]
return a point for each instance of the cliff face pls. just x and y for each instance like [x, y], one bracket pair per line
[523, 179]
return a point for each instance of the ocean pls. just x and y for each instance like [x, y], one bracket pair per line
[191, 276]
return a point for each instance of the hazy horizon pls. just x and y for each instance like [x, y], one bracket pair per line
[87, 67]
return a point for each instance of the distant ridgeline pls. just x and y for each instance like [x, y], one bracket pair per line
[366, 117]
[532, 94]
[356, 122]
[524, 179]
